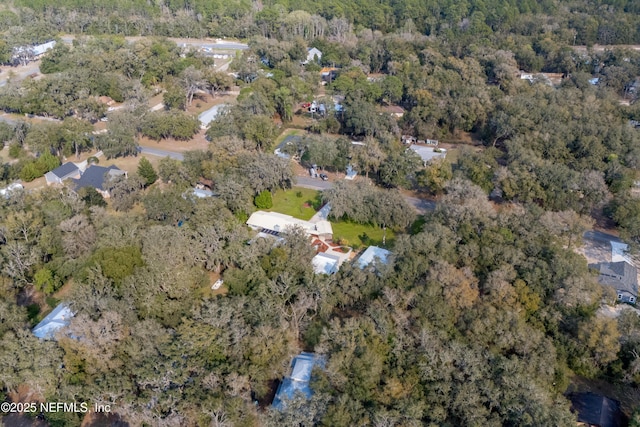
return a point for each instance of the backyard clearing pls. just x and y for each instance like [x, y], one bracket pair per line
[298, 202]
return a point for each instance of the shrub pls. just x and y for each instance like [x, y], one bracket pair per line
[35, 168]
[91, 197]
[264, 200]
[15, 150]
[46, 281]
[29, 172]
[32, 311]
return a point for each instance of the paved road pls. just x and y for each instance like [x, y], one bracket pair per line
[161, 153]
[313, 183]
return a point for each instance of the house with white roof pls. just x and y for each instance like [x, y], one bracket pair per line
[373, 255]
[324, 263]
[313, 55]
[299, 382]
[59, 318]
[26, 54]
[275, 223]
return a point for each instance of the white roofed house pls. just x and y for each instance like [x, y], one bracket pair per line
[59, 318]
[373, 255]
[274, 223]
[299, 382]
[313, 55]
[25, 54]
[324, 263]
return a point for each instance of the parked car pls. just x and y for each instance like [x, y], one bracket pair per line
[324, 177]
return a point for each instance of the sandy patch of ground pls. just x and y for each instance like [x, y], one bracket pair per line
[595, 251]
[198, 142]
[130, 163]
[20, 72]
[613, 312]
[202, 102]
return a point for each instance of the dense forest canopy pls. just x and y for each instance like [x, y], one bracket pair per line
[576, 21]
[484, 314]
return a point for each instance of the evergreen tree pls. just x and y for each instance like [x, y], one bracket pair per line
[264, 200]
[147, 172]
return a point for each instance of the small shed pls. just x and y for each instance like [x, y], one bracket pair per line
[351, 173]
[8, 191]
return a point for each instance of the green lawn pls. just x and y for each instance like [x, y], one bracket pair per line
[303, 207]
[285, 133]
[354, 234]
[452, 155]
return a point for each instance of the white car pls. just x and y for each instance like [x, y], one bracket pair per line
[217, 285]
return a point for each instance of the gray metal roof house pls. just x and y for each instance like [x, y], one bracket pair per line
[96, 177]
[65, 171]
[621, 276]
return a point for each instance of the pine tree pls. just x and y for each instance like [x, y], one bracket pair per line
[146, 171]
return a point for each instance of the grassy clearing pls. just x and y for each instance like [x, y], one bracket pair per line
[298, 202]
[285, 133]
[453, 154]
[359, 235]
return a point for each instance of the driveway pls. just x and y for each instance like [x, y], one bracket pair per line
[20, 72]
[161, 153]
[599, 236]
[313, 183]
[421, 205]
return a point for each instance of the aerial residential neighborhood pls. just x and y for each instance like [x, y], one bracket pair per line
[319, 213]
